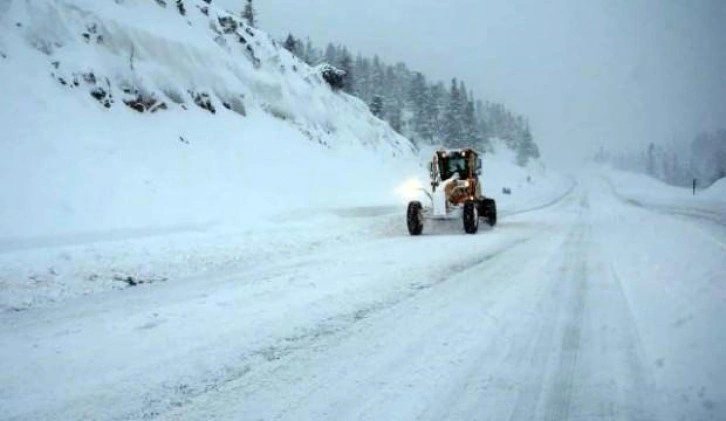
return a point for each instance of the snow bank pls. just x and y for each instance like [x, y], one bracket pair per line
[648, 190]
[717, 191]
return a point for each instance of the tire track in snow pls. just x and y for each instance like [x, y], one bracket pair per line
[642, 383]
[560, 397]
[491, 381]
[579, 370]
[490, 285]
[545, 344]
[175, 397]
[554, 366]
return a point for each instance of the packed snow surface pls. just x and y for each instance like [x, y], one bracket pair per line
[588, 306]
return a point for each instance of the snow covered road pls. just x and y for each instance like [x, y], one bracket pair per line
[591, 308]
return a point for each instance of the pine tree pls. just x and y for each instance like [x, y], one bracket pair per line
[526, 148]
[331, 54]
[417, 90]
[392, 86]
[398, 80]
[650, 160]
[418, 97]
[290, 45]
[345, 63]
[377, 77]
[437, 101]
[468, 123]
[482, 128]
[463, 101]
[376, 106]
[394, 117]
[452, 118]
[311, 56]
[361, 70]
[249, 14]
[426, 118]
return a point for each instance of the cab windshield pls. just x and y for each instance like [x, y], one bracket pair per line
[453, 165]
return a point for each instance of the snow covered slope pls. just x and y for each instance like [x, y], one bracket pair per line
[131, 115]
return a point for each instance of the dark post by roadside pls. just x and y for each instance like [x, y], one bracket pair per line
[694, 186]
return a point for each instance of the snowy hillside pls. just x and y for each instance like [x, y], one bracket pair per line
[130, 115]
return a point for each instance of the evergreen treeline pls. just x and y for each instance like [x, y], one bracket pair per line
[704, 159]
[425, 111]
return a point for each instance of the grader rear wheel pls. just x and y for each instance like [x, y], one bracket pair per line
[488, 211]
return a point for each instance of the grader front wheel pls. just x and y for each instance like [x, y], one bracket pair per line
[471, 217]
[414, 218]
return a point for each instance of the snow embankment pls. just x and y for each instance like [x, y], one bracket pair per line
[129, 116]
[716, 191]
[641, 190]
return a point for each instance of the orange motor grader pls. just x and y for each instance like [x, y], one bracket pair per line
[456, 191]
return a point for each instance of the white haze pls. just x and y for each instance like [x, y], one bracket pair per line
[620, 73]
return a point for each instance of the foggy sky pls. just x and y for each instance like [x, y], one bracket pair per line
[586, 73]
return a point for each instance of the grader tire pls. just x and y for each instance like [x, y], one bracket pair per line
[414, 218]
[471, 217]
[489, 211]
